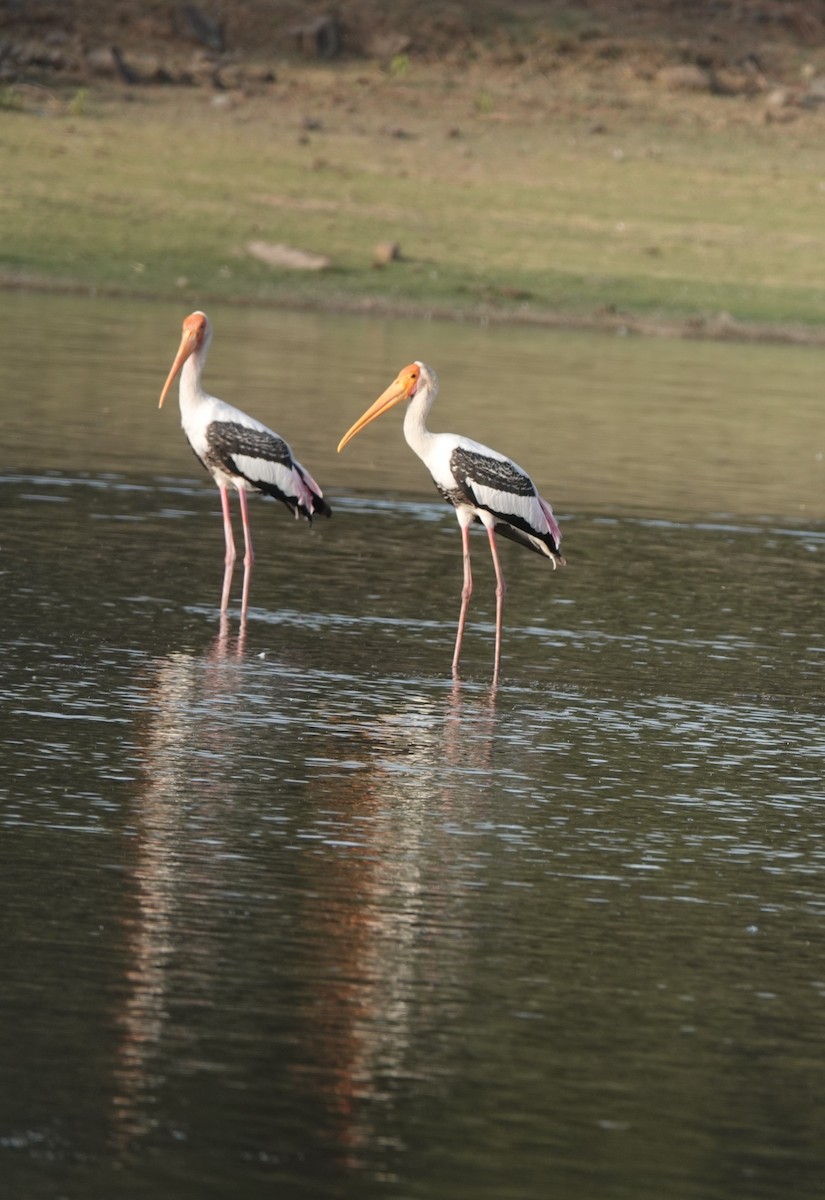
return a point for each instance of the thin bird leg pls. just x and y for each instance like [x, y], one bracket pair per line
[227, 585]
[227, 526]
[466, 592]
[249, 556]
[501, 589]
[247, 579]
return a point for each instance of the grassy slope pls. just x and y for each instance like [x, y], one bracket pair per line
[537, 203]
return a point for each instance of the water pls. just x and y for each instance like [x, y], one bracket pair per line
[286, 911]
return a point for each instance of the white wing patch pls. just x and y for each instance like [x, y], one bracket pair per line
[262, 470]
[508, 504]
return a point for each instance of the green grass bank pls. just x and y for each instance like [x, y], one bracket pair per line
[606, 201]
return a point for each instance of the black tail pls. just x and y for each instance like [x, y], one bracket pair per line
[319, 504]
[544, 544]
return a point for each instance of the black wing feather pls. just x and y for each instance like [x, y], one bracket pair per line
[501, 474]
[225, 439]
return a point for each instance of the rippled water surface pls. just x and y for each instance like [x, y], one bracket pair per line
[288, 912]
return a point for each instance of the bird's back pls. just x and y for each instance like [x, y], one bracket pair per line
[239, 449]
[474, 476]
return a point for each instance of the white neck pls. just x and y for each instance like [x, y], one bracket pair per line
[191, 391]
[418, 436]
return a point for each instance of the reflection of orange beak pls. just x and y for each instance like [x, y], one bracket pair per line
[188, 344]
[400, 389]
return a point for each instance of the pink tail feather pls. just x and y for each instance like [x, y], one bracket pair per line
[551, 520]
[303, 493]
[308, 491]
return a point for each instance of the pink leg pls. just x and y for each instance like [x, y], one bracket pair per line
[501, 588]
[466, 592]
[227, 585]
[247, 579]
[227, 526]
[249, 557]
[229, 560]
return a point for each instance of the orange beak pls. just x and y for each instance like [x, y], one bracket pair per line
[401, 388]
[192, 336]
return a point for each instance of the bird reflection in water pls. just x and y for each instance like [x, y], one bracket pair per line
[377, 904]
[221, 647]
[391, 915]
[165, 877]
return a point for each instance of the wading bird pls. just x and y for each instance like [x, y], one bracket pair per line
[236, 450]
[481, 484]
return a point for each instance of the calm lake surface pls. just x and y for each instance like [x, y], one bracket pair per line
[286, 912]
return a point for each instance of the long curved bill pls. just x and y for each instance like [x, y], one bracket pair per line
[188, 344]
[400, 389]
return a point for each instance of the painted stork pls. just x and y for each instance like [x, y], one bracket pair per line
[235, 449]
[481, 484]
